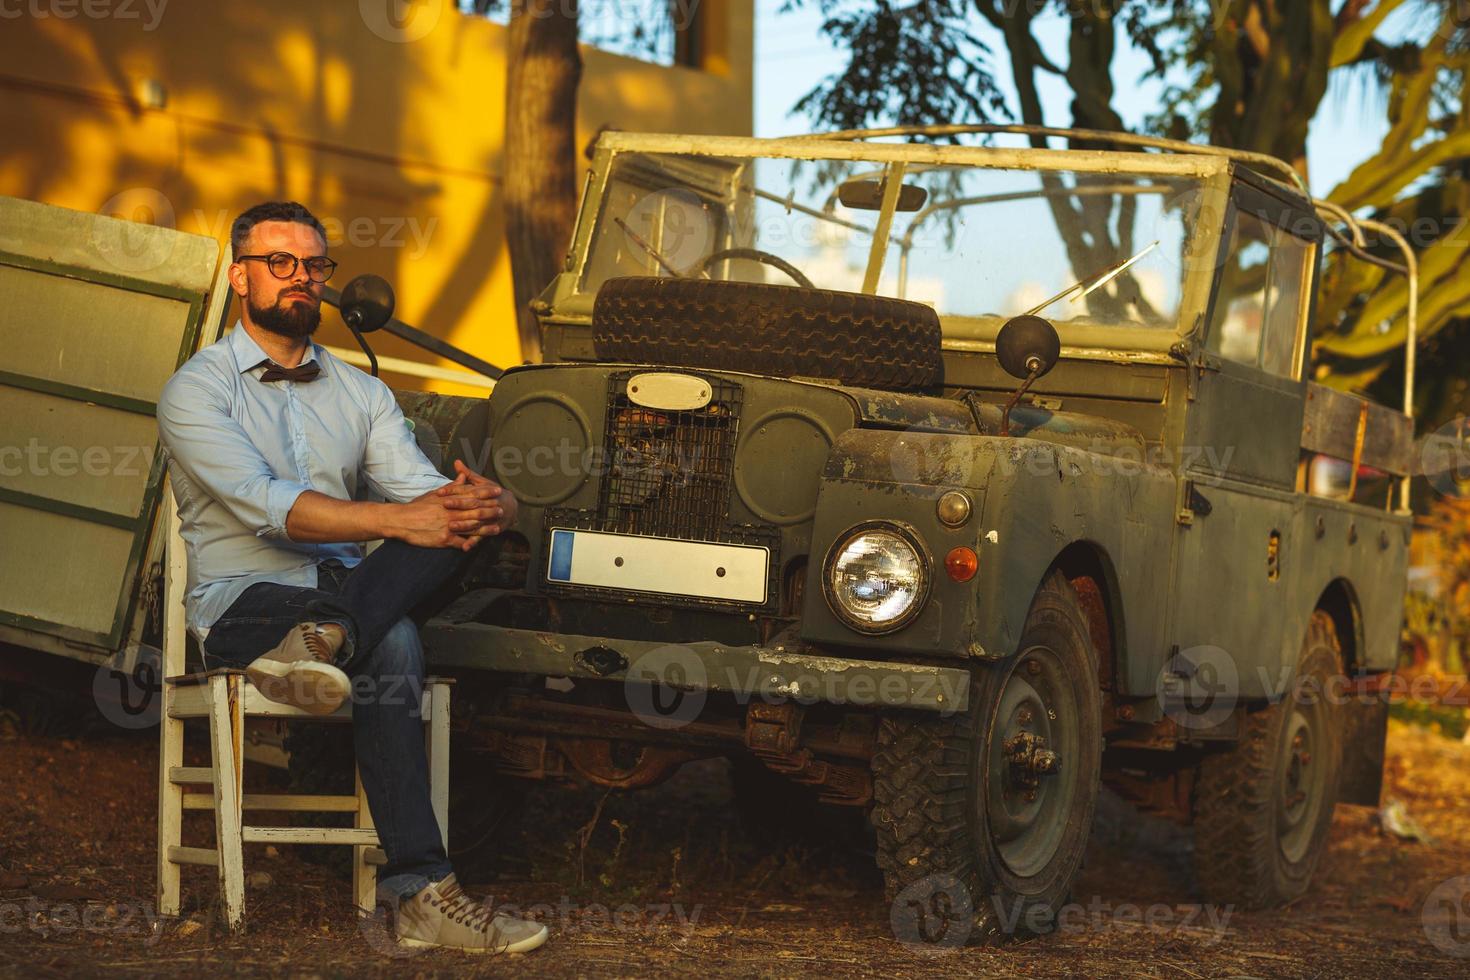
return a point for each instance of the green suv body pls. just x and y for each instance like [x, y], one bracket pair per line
[782, 499]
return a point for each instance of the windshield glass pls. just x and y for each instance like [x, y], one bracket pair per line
[1094, 253]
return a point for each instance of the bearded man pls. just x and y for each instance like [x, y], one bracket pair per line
[270, 440]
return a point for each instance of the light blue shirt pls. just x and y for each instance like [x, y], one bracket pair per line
[241, 450]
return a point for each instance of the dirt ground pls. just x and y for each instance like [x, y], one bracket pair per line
[670, 882]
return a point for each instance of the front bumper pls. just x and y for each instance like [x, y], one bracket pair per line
[766, 673]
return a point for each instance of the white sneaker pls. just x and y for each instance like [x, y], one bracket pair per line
[443, 915]
[299, 671]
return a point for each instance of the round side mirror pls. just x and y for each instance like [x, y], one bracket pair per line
[367, 303]
[1027, 344]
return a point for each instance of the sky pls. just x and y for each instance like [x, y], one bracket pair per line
[791, 56]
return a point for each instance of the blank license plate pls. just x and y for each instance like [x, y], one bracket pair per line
[735, 572]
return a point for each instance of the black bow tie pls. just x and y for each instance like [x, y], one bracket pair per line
[303, 372]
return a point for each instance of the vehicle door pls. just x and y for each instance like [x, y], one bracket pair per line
[1239, 511]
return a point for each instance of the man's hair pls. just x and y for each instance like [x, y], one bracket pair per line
[271, 211]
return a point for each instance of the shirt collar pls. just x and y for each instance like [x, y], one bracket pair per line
[248, 353]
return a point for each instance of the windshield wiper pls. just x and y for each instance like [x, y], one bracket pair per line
[637, 240]
[1095, 281]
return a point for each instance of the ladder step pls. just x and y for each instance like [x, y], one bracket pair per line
[283, 802]
[181, 775]
[310, 835]
[194, 855]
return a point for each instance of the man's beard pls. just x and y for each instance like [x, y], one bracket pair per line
[295, 320]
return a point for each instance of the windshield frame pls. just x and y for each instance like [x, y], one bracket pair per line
[1213, 174]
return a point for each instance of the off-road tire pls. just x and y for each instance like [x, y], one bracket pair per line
[763, 328]
[930, 784]
[1239, 851]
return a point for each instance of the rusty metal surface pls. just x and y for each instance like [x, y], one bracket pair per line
[536, 737]
[1334, 423]
[593, 760]
[1167, 794]
[773, 735]
[1095, 607]
[893, 409]
[772, 729]
[774, 673]
[853, 737]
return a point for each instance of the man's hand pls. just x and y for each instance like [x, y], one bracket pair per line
[471, 491]
[429, 522]
[457, 515]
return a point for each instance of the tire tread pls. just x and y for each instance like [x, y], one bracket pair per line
[765, 328]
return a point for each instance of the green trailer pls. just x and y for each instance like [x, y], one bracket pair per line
[98, 312]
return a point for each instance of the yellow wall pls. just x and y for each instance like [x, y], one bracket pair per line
[394, 141]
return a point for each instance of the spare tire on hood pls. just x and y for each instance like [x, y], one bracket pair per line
[852, 338]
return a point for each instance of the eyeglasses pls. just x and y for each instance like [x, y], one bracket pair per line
[283, 265]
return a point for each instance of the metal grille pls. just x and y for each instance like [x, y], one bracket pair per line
[669, 473]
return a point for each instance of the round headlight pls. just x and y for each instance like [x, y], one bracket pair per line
[876, 578]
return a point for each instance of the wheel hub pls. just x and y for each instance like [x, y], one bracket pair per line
[1033, 729]
[1301, 787]
[1028, 759]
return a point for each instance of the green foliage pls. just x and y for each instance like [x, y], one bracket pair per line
[916, 63]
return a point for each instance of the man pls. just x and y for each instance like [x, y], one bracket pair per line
[268, 439]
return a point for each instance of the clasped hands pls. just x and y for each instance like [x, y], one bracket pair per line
[463, 513]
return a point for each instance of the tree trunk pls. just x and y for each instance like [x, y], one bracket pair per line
[1271, 61]
[543, 70]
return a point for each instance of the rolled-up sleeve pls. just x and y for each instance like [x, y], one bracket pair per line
[394, 465]
[214, 452]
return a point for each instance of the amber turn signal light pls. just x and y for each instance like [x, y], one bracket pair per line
[961, 564]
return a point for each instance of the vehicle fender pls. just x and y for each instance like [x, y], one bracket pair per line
[1031, 499]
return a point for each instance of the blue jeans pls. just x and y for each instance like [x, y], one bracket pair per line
[384, 659]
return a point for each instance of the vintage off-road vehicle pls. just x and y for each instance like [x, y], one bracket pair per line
[950, 482]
